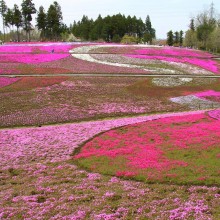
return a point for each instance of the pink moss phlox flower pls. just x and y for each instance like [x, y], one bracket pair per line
[56, 48]
[214, 114]
[168, 51]
[109, 194]
[32, 58]
[205, 64]
[39, 47]
[197, 208]
[15, 49]
[5, 81]
[125, 173]
[207, 94]
[22, 145]
[142, 145]
[94, 176]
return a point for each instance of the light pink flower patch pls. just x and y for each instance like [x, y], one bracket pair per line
[5, 81]
[185, 211]
[215, 114]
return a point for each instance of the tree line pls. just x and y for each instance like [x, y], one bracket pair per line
[114, 28]
[175, 38]
[204, 31]
[49, 23]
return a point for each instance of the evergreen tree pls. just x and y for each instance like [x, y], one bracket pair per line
[96, 30]
[17, 20]
[129, 25]
[176, 38]
[28, 8]
[51, 15]
[192, 25]
[86, 26]
[170, 38]
[181, 38]
[9, 20]
[3, 10]
[140, 28]
[41, 21]
[105, 35]
[149, 31]
[54, 21]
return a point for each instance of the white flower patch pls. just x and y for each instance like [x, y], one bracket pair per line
[190, 68]
[171, 81]
[134, 63]
[194, 102]
[68, 84]
[87, 49]
[89, 58]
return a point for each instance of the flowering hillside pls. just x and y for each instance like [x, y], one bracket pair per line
[108, 131]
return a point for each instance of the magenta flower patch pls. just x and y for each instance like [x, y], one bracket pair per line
[207, 94]
[153, 150]
[5, 81]
[31, 58]
[168, 51]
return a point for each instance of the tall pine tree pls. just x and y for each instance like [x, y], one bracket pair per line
[170, 38]
[41, 21]
[149, 31]
[192, 25]
[9, 18]
[27, 8]
[17, 20]
[3, 10]
[54, 21]
[181, 38]
[176, 38]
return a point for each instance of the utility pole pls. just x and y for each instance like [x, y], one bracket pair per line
[212, 10]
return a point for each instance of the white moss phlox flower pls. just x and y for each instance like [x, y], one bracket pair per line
[171, 81]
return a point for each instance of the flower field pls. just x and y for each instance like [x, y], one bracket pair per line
[5, 81]
[40, 181]
[103, 58]
[165, 150]
[75, 146]
[49, 100]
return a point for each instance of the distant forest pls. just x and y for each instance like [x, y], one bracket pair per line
[51, 26]
[114, 28]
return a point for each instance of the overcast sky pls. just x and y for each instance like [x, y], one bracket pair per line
[165, 14]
